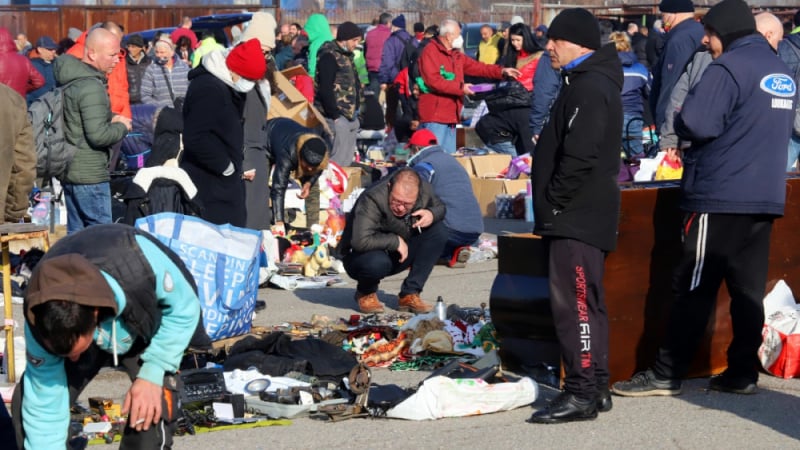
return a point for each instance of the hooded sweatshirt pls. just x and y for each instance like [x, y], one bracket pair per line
[45, 403]
[319, 32]
[16, 71]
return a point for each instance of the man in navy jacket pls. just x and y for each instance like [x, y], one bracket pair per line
[738, 119]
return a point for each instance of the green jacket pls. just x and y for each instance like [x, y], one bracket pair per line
[87, 120]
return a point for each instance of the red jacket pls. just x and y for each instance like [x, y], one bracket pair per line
[16, 71]
[443, 103]
[117, 80]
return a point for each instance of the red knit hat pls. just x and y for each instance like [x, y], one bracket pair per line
[247, 60]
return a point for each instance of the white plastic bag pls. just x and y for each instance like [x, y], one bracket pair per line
[780, 350]
[446, 397]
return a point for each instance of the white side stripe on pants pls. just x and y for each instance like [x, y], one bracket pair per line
[700, 250]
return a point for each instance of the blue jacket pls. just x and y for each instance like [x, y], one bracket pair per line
[46, 69]
[738, 118]
[546, 82]
[393, 50]
[45, 405]
[451, 184]
[636, 87]
[679, 46]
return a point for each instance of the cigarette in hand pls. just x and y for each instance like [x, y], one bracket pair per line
[419, 229]
[139, 422]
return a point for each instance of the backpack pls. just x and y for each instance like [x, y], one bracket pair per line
[409, 53]
[53, 153]
[414, 77]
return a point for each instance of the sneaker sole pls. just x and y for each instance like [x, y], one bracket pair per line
[650, 393]
[749, 390]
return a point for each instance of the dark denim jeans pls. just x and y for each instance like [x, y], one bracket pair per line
[87, 204]
[369, 268]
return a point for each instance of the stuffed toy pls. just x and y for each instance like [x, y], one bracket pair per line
[319, 260]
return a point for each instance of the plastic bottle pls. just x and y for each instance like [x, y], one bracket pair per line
[529, 203]
[41, 212]
[441, 309]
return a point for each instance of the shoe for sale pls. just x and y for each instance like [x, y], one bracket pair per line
[646, 384]
[369, 303]
[565, 408]
[725, 382]
[412, 303]
[604, 403]
[459, 258]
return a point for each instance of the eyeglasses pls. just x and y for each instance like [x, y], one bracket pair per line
[398, 204]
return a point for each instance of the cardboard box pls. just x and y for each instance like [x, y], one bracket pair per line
[466, 163]
[288, 102]
[489, 166]
[353, 181]
[486, 190]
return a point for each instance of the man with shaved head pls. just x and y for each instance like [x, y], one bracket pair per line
[91, 127]
[117, 78]
[770, 27]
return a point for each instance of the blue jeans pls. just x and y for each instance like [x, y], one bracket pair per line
[445, 134]
[632, 135]
[794, 152]
[87, 204]
[505, 147]
[458, 239]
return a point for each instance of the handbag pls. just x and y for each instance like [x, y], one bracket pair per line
[506, 95]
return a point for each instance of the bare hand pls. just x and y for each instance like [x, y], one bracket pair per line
[143, 402]
[424, 218]
[402, 248]
[414, 125]
[673, 155]
[305, 191]
[249, 175]
[123, 120]
[383, 86]
[511, 72]
[468, 89]
[279, 229]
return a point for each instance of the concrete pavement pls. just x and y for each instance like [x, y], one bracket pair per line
[696, 419]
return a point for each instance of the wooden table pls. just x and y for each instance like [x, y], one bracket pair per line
[637, 281]
[15, 232]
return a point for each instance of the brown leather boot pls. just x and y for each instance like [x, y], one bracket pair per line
[412, 302]
[369, 303]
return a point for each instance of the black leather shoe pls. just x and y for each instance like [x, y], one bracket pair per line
[604, 403]
[566, 408]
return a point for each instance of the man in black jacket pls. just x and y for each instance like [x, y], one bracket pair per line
[396, 224]
[138, 61]
[292, 147]
[577, 202]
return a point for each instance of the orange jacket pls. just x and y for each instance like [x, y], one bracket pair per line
[117, 79]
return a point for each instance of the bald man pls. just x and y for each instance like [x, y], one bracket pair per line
[771, 27]
[91, 127]
[117, 78]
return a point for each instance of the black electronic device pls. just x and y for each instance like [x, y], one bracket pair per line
[202, 385]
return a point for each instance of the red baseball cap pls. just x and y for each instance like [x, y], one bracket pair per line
[423, 138]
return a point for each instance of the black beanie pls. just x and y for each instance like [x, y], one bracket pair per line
[576, 25]
[313, 151]
[676, 6]
[730, 19]
[347, 31]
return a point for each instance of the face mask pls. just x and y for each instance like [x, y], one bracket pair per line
[458, 42]
[162, 61]
[244, 85]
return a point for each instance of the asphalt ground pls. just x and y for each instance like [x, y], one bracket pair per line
[697, 419]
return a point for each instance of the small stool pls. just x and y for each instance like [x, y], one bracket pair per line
[15, 232]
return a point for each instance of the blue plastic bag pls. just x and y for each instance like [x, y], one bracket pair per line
[224, 261]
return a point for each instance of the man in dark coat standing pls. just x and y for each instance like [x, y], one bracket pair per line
[213, 135]
[576, 204]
